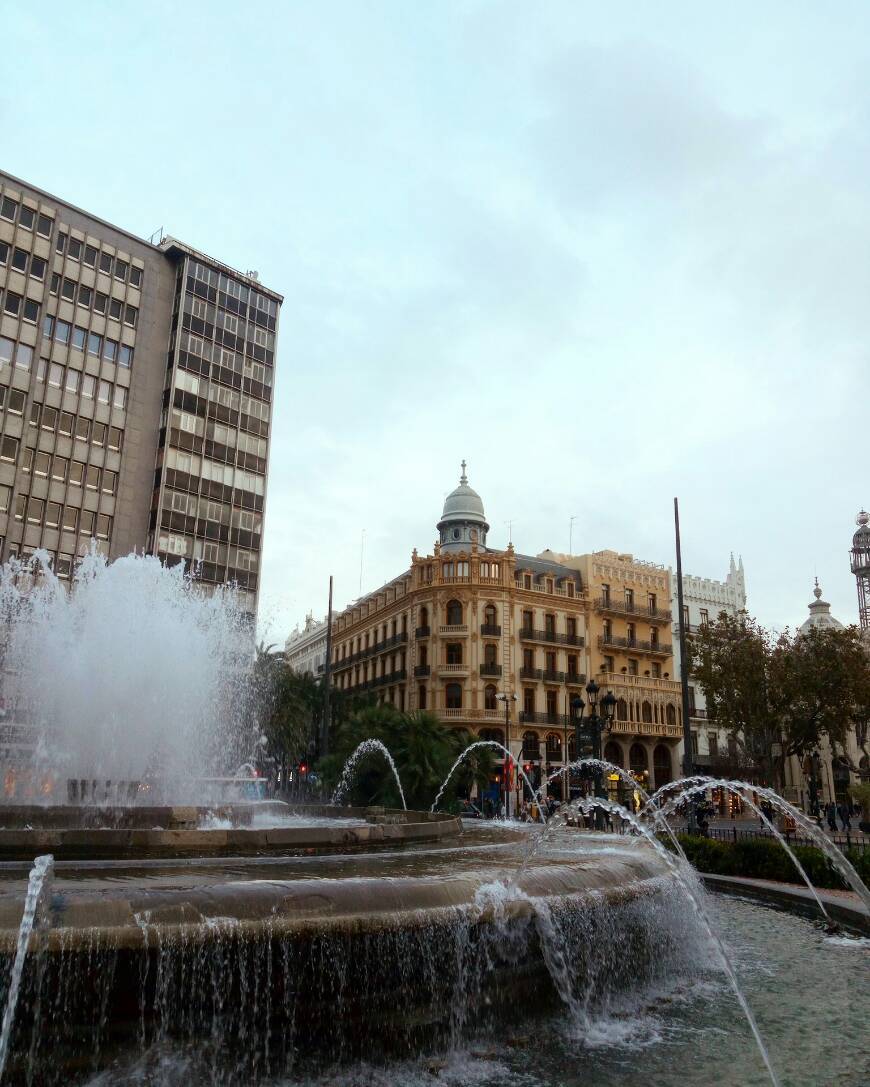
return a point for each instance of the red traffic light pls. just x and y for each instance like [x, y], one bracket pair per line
[303, 768]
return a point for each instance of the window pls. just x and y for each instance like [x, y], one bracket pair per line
[73, 377]
[100, 301]
[130, 316]
[106, 262]
[76, 473]
[104, 392]
[6, 349]
[5, 495]
[686, 616]
[60, 243]
[135, 276]
[85, 295]
[121, 267]
[41, 464]
[55, 375]
[110, 350]
[70, 518]
[656, 670]
[713, 744]
[95, 344]
[92, 478]
[79, 337]
[652, 601]
[605, 596]
[62, 331]
[89, 385]
[49, 418]
[83, 428]
[19, 259]
[632, 667]
[26, 217]
[52, 514]
[48, 326]
[86, 522]
[31, 310]
[35, 412]
[59, 468]
[705, 617]
[41, 369]
[37, 268]
[23, 356]
[4, 253]
[12, 303]
[115, 309]
[115, 437]
[20, 506]
[90, 256]
[104, 526]
[98, 433]
[454, 613]
[55, 283]
[454, 653]
[453, 696]
[17, 400]
[608, 664]
[44, 225]
[8, 207]
[65, 424]
[74, 249]
[125, 356]
[35, 511]
[68, 290]
[528, 700]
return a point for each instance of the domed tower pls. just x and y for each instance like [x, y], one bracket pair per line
[861, 567]
[463, 521]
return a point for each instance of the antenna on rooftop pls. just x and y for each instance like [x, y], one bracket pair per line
[510, 525]
[571, 521]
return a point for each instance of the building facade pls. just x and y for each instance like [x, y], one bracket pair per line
[705, 599]
[135, 394]
[468, 623]
[305, 649]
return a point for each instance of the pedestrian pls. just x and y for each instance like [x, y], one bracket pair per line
[831, 815]
[845, 817]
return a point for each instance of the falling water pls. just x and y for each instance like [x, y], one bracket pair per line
[365, 748]
[133, 676]
[40, 879]
[471, 747]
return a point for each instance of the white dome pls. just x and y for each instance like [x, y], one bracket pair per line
[463, 521]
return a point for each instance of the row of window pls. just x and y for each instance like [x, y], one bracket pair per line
[43, 464]
[239, 558]
[218, 432]
[213, 317]
[90, 256]
[39, 511]
[79, 339]
[22, 260]
[207, 509]
[194, 465]
[27, 218]
[232, 287]
[228, 359]
[89, 298]
[68, 378]
[16, 304]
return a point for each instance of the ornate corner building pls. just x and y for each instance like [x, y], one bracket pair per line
[469, 623]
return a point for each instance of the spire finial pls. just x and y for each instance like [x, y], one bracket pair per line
[463, 478]
[817, 592]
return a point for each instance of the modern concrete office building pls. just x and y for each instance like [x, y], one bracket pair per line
[135, 394]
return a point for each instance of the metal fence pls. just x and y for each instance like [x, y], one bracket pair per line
[734, 834]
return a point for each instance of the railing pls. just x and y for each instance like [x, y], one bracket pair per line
[551, 636]
[490, 630]
[422, 670]
[647, 728]
[490, 669]
[453, 628]
[555, 591]
[471, 715]
[551, 676]
[534, 717]
[422, 632]
[734, 834]
[623, 607]
[379, 681]
[453, 669]
[531, 673]
[607, 641]
[610, 680]
[372, 650]
[575, 679]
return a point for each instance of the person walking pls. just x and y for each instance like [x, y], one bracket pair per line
[831, 815]
[845, 817]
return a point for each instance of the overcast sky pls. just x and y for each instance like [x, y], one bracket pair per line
[609, 254]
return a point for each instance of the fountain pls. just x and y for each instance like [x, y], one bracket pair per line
[183, 936]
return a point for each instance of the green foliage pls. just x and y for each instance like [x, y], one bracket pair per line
[423, 749]
[757, 859]
[288, 706]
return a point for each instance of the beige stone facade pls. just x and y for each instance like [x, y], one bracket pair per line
[467, 623]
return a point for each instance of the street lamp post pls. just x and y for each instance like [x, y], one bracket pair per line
[594, 724]
[507, 699]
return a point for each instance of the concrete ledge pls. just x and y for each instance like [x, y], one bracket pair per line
[852, 914]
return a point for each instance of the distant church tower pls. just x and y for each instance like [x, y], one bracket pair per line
[861, 568]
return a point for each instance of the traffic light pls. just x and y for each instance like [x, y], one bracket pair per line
[303, 768]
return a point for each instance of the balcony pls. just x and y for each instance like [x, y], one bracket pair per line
[531, 673]
[622, 607]
[533, 717]
[698, 715]
[490, 630]
[575, 679]
[647, 728]
[551, 637]
[453, 669]
[422, 670]
[453, 628]
[372, 650]
[490, 669]
[551, 676]
[634, 645]
[422, 632]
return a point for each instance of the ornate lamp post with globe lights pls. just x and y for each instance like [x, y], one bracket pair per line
[507, 699]
[588, 732]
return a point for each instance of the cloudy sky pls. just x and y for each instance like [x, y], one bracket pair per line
[609, 254]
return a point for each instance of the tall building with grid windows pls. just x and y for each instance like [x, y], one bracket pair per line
[135, 394]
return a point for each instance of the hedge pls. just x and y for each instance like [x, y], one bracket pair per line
[756, 859]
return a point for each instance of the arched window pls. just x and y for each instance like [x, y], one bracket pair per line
[646, 712]
[490, 615]
[454, 652]
[662, 764]
[531, 745]
[453, 696]
[454, 613]
[621, 710]
[495, 734]
[490, 653]
[613, 753]
[489, 697]
[423, 655]
[672, 717]
[421, 696]
[637, 760]
[572, 748]
[554, 747]
[424, 616]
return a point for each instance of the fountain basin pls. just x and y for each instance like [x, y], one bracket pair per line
[71, 832]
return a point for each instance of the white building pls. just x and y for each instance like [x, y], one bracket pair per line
[704, 599]
[305, 649]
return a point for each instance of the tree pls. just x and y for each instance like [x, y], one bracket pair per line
[287, 705]
[423, 749]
